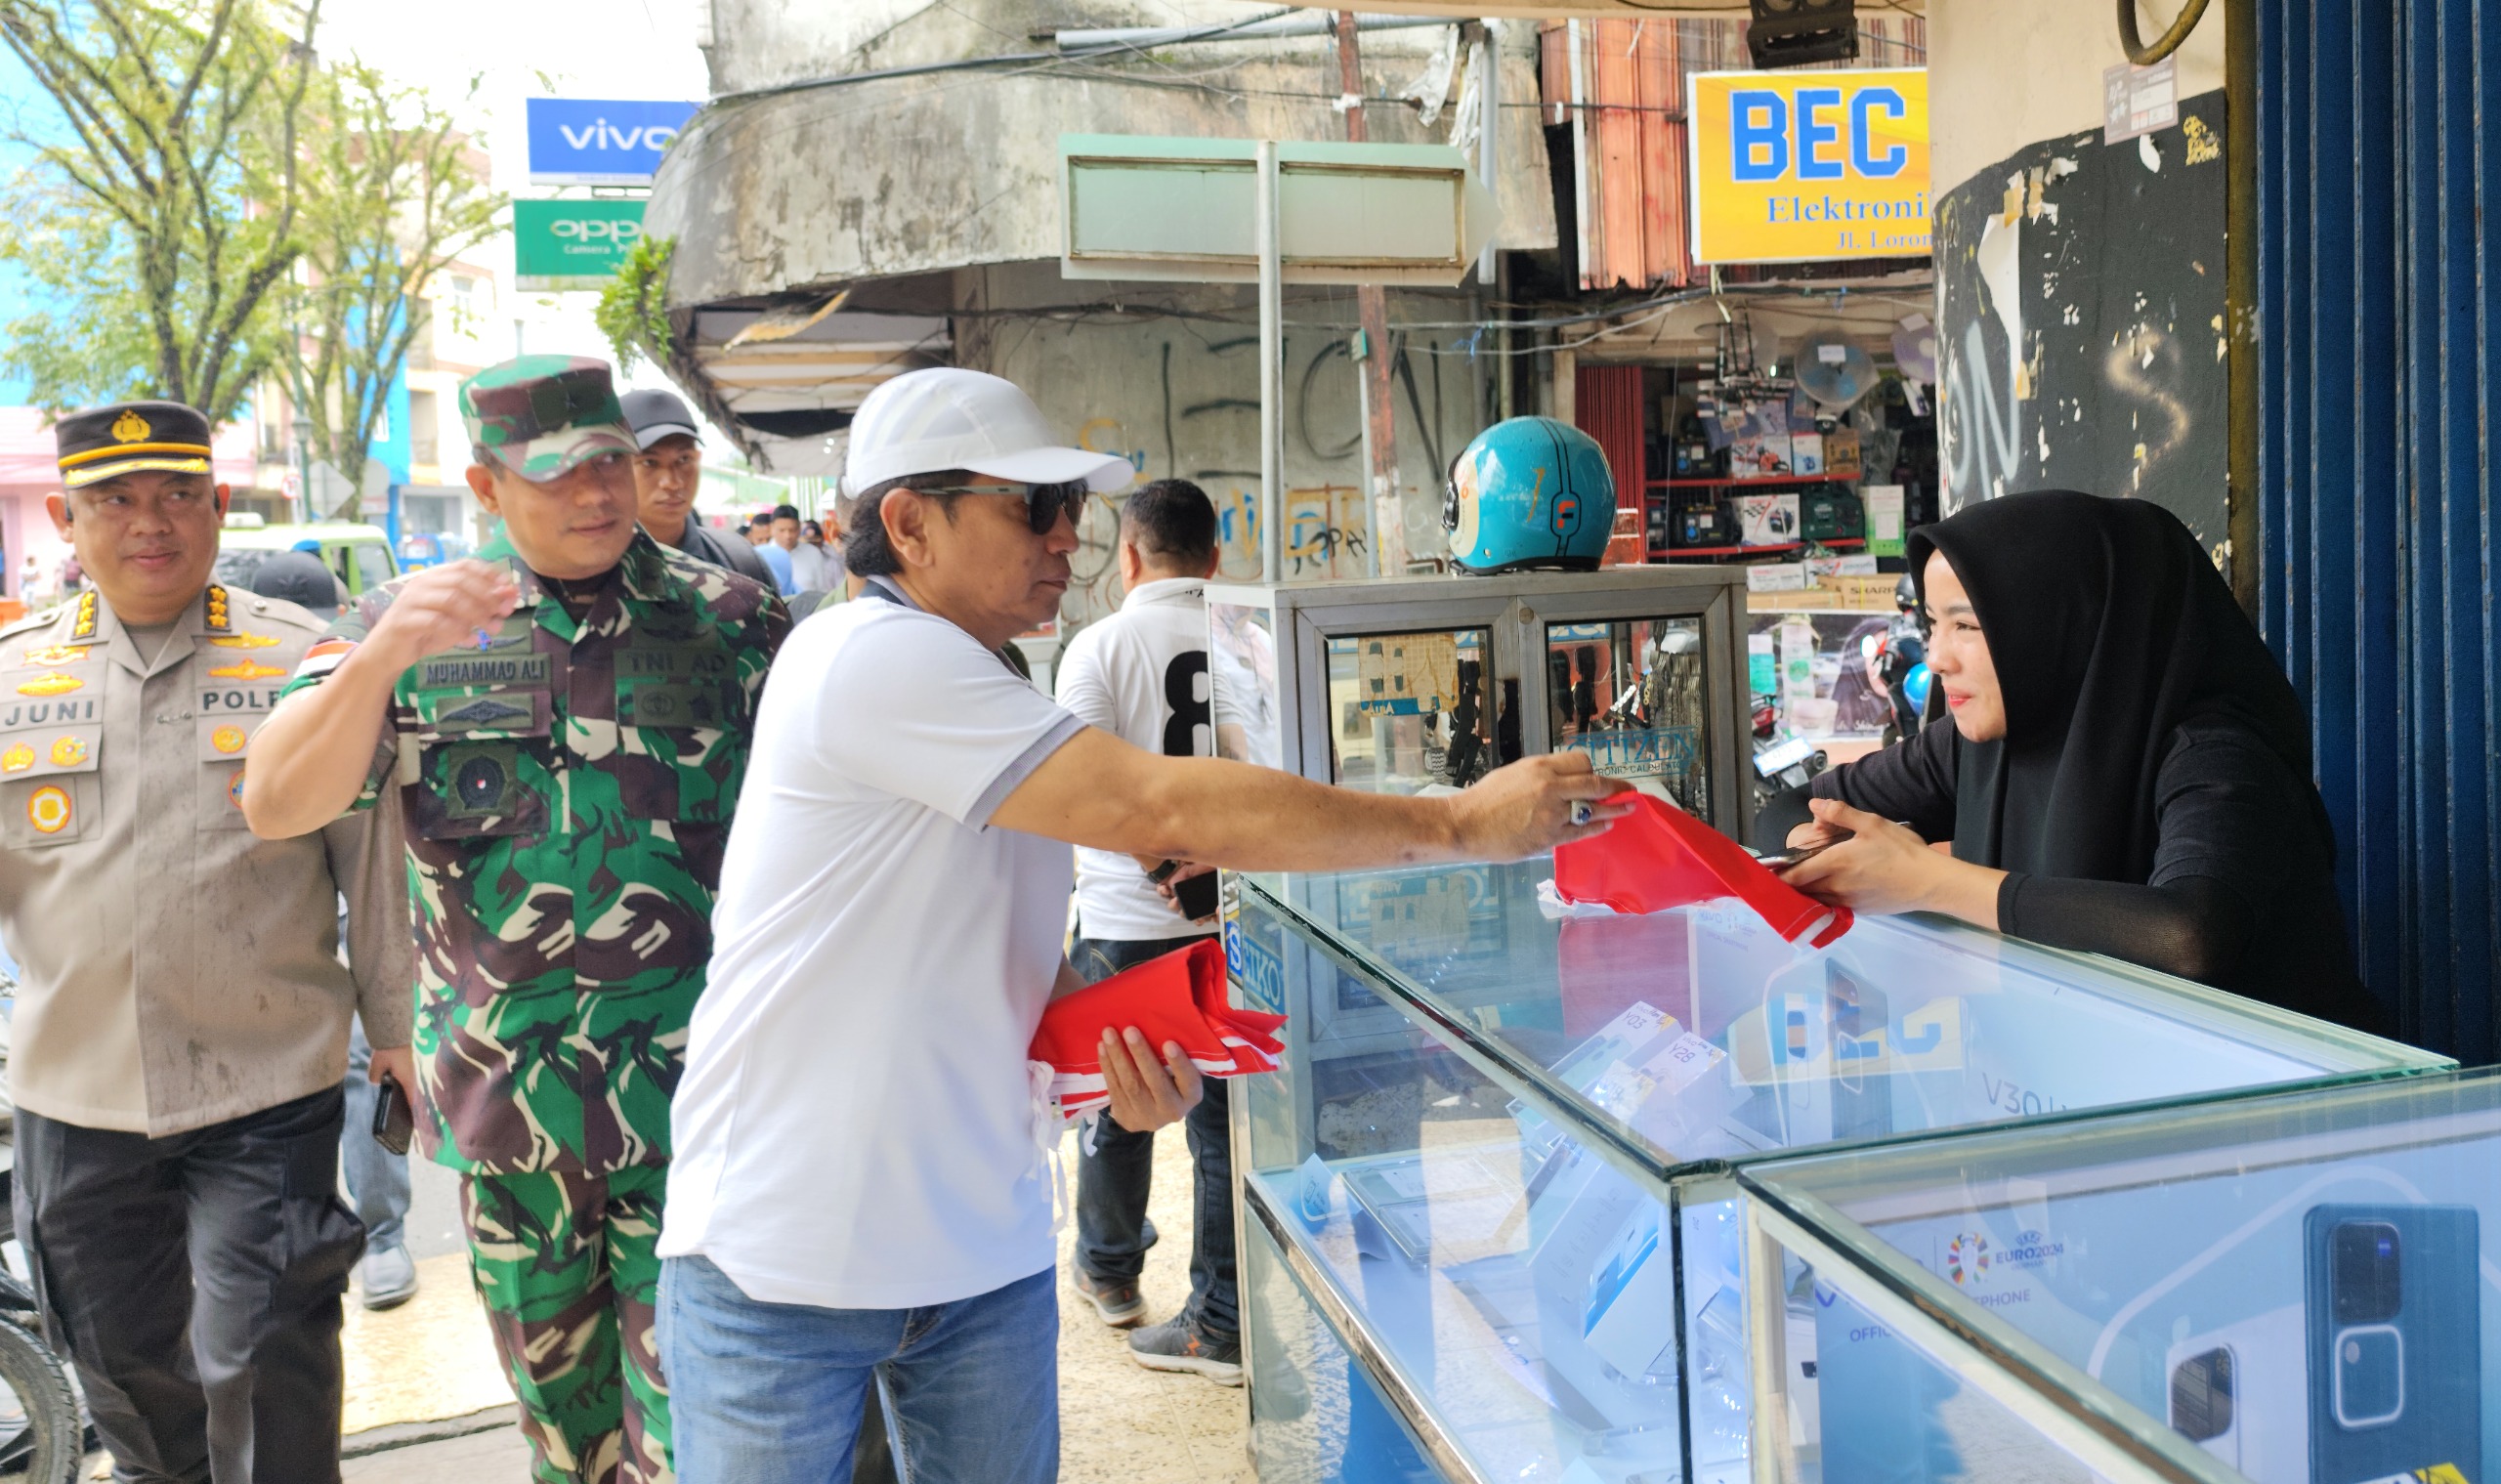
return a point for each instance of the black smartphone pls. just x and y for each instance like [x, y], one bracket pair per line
[1787, 858]
[395, 1122]
[1196, 896]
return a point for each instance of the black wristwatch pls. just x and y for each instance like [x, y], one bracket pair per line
[1163, 872]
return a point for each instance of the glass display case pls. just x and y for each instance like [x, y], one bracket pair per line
[1491, 1224]
[1410, 684]
[2303, 1288]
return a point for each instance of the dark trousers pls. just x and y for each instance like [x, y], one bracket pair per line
[1112, 1178]
[194, 1281]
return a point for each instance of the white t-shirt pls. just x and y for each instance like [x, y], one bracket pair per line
[1141, 675]
[854, 1128]
[814, 569]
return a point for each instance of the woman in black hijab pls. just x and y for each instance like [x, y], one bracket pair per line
[2128, 771]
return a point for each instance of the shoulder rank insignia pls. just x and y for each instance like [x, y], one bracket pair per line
[17, 759]
[48, 810]
[56, 653]
[244, 669]
[68, 751]
[244, 640]
[217, 617]
[51, 683]
[85, 627]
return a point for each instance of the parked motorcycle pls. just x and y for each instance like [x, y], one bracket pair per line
[1779, 766]
[1900, 664]
[43, 1429]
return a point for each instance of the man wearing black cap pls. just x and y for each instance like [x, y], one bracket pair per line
[182, 1021]
[667, 473]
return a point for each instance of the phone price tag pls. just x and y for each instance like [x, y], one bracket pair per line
[1624, 1087]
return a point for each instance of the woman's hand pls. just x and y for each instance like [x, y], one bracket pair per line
[1884, 868]
[1815, 835]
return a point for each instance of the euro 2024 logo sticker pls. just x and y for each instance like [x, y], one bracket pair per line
[1967, 1259]
[1987, 1270]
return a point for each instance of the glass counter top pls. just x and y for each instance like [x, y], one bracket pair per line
[2305, 1287]
[1696, 1038]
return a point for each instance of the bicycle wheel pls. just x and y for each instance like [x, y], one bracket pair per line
[41, 1433]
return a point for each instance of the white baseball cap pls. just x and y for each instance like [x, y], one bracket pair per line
[947, 417]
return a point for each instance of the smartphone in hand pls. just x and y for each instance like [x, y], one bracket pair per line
[1196, 897]
[395, 1122]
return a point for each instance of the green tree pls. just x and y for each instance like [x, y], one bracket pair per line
[158, 214]
[393, 193]
[630, 311]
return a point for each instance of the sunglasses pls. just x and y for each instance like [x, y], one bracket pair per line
[1043, 502]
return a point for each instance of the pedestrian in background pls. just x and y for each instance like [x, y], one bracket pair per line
[565, 723]
[815, 566]
[1142, 674]
[668, 469]
[182, 1017]
[781, 536]
[377, 1177]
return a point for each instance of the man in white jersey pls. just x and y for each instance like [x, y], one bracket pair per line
[861, 1184]
[1142, 674]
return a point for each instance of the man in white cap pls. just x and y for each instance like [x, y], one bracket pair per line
[861, 1184]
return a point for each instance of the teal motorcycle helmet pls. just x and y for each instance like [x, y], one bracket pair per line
[1529, 494]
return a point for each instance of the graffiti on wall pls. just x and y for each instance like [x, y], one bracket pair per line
[2080, 308]
[1179, 397]
[1328, 533]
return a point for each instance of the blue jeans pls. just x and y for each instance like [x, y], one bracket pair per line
[770, 1393]
[1114, 1178]
[377, 1178]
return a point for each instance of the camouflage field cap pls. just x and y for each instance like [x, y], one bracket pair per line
[540, 415]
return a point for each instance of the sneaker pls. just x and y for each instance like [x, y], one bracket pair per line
[389, 1277]
[1173, 1346]
[1116, 1299]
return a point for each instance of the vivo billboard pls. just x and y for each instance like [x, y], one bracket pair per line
[601, 141]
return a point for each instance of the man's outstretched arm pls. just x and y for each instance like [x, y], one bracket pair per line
[311, 759]
[1098, 790]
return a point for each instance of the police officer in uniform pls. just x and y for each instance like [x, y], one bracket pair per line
[182, 1018]
[565, 723]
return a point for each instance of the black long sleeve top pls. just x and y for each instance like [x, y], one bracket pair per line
[2241, 895]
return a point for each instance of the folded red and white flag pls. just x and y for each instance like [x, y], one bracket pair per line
[1178, 998]
[1659, 857]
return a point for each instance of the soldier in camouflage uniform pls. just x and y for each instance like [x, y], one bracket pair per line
[566, 723]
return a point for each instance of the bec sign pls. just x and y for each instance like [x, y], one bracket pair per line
[601, 141]
[1808, 166]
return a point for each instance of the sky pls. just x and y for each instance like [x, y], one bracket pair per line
[514, 49]
[508, 50]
